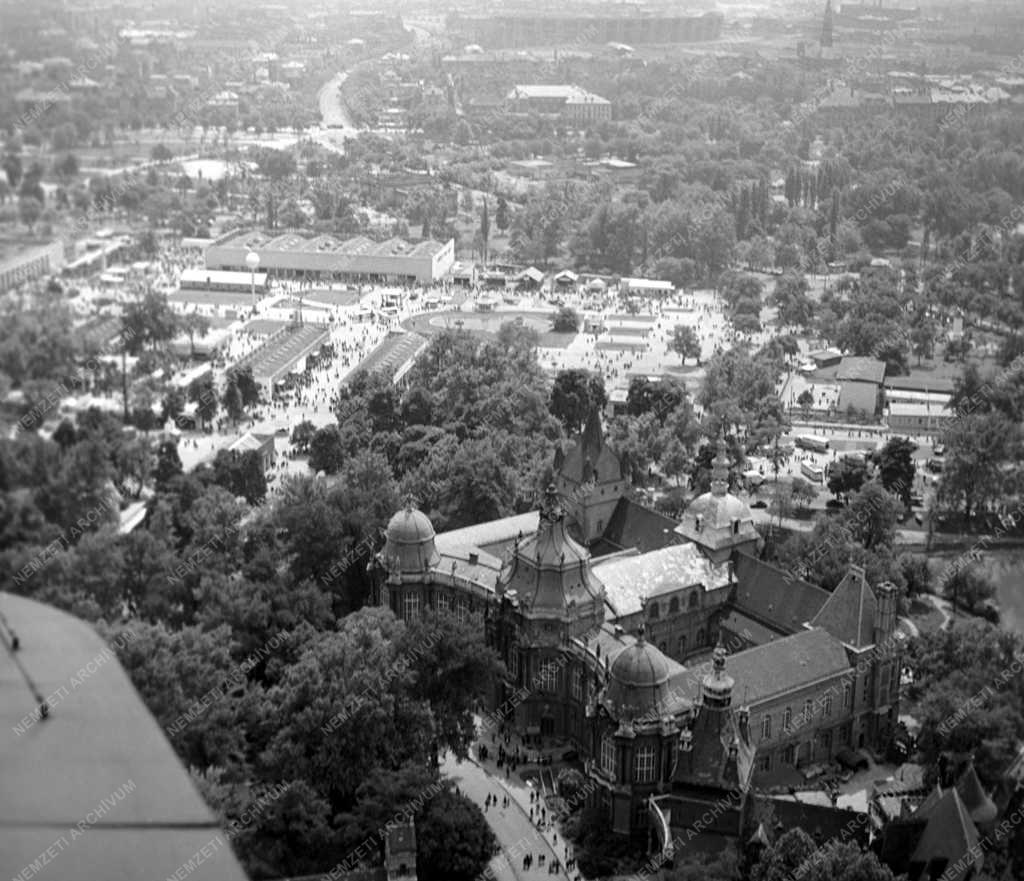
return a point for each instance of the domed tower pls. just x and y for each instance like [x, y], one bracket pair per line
[551, 604]
[718, 522]
[406, 561]
[550, 583]
[635, 726]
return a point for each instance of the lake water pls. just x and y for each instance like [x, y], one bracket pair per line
[206, 169]
[1007, 569]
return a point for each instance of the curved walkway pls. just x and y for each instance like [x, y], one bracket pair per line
[516, 834]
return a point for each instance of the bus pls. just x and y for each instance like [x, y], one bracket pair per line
[812, 442]
[814, 473]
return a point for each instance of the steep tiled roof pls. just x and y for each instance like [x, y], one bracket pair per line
[777, 667]
[849, 614]
[949, 834]
[982, 809]
[775, 597]
[633, 525]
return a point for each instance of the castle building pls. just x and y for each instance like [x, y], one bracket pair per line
[617, 625]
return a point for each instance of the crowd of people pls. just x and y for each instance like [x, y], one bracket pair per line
[520, 787]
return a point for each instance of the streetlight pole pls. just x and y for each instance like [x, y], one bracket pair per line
[252, 260]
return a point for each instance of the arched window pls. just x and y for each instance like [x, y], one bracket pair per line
[682, 644]
[694, 599]
[653, 611]
[847, 696]
[644, 764]
[662, 647]
[673, 605]
[828, 705]
[444, 602]
[608, 754]
[787, 718]
[766, 727]
[701, 637]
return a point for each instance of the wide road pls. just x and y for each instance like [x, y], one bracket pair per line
[336, 124]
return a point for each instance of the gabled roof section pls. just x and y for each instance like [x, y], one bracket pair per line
[774, 597]
[849, 614]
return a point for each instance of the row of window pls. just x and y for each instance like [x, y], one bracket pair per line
[654, 610]
[789, 754]
[548, 676]
[411, 606]
[806, 716]
[643, 760]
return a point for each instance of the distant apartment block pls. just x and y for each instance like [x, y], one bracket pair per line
[571, 102]
[525, 28]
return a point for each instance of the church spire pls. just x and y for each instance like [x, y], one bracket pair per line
[593, 436]
[720, 470]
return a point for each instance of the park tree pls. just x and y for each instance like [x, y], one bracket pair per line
[871, 516]
[846, 477]
[30, 209]
[345, 708]
[965, 666]
[454, 672]
[302, 436]
[453, 840]
[685, 343]
[566, 320]
[896, 469]
[172, 671]
[241, 475]
[916, 572]
[977, 448]
[326, 452]
[791, 297]
[501, 218]
[968, 586]
[203, 394]
[168, 464]
[231, 401]
[574, 395]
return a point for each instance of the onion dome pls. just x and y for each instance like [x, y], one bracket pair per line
[718, 519]
[409, 548]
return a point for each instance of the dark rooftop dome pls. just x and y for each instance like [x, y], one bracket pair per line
[410, 542]
[638, 682]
